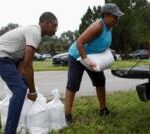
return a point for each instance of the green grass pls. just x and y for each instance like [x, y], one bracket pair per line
[48, 66]
[131, 115]
[129, 63]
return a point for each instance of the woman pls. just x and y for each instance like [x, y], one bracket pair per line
[95, 39]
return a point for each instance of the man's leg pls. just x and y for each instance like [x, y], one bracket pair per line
[18, 87]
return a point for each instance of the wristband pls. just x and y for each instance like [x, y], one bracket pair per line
[34, 93]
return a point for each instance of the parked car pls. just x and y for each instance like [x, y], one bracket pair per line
[46, 56]
[116, 56]
[61, 59]
[38, 56]
[140, 54]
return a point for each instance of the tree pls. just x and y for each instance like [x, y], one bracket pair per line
[90, 16]
[7, 28]
[133, 32]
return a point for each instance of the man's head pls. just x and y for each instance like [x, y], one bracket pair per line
[48, 23]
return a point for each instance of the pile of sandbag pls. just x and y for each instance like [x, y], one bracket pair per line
[37, 117]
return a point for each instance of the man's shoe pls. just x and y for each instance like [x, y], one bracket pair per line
[104, 112]
[68, 118]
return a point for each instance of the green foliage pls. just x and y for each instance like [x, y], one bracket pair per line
[133, 31]
[90, 16]
[7, 28]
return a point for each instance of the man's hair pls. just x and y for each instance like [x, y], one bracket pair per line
[47, 16]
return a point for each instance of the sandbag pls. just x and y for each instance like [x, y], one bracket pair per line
[4, 104]
[37, 117]
[4, 110]
[56, 112]
[102, 60]
[22, 125]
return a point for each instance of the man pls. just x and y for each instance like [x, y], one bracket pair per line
[17, 48]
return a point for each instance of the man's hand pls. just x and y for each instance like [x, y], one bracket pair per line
[32, 96]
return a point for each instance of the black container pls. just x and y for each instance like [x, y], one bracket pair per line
[143, 91]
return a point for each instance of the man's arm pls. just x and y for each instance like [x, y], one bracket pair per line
[29, 71]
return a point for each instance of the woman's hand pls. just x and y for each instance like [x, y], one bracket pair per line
[89, 63]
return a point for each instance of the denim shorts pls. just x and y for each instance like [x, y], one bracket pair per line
[75, 73]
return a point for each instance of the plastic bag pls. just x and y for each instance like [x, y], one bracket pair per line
[102, 60]
[56, 112]
[4, 104]
[37, 117]
[4, 110]
[22, 125]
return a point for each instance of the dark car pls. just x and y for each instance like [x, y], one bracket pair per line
[61, 59]
[140, 54]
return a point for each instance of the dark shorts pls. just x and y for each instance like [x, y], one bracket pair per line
[75, 73]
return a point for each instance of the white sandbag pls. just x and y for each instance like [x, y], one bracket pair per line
[4, 110]
[56, 112]
[22, 125]
[102, 60]
[4, 104]
[37, 117]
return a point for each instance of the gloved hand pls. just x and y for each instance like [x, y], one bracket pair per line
[89, 63]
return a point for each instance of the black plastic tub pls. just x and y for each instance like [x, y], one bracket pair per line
[132, 74]
[143, 91]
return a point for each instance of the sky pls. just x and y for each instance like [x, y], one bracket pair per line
[27, 12]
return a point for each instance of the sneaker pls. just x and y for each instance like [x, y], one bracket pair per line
[104, 112]
[68, 118]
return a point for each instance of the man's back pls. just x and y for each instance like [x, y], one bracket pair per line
[13, 43]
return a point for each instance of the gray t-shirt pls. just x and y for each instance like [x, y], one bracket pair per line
[13, 43]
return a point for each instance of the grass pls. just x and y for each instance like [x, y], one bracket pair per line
[131, 115]
[48, 66]
[129, 63]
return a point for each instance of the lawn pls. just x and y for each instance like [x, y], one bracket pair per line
[48, 66]
[131, 116]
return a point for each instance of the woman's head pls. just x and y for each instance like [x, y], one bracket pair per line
[111, 13]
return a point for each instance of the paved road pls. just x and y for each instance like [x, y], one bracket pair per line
[49, 80]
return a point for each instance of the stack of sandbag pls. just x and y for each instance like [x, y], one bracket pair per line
[56, 112]
[4, 112]
[37, 117]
